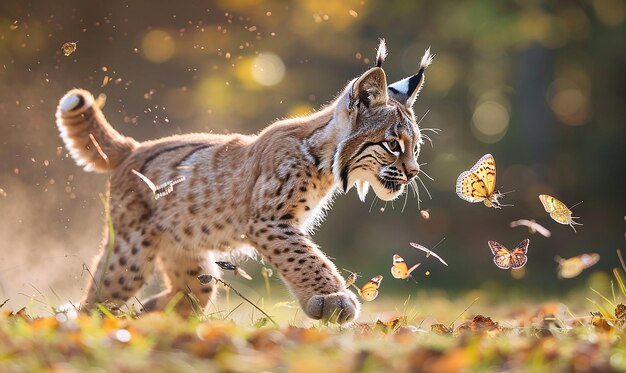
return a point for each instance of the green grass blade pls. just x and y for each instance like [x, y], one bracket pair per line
[603, 297]
[105, 311]
[620, 282]
[109, 248]
[169, 308]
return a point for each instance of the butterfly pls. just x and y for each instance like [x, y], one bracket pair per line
[228, 266]
[558, 211]
[506, 259]
[163, 189]
[351, 279]
[369, 291]
[400, 270]
[478, 184]
[572, 267]
[69, 47]
[428, 251]
[533, 226]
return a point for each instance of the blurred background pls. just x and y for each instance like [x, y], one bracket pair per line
[538, 84]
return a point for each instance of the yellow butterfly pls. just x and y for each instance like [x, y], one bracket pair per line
[572, 267]
[369, 291]
[478, 184]
[400, 270]
[558, 211]
[506, 259]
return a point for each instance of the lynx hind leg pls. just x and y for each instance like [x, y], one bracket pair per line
[119, 272]
[180, 274]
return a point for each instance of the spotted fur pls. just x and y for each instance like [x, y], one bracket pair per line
[264, 192]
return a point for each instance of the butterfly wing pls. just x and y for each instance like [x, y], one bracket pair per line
[227, 266]
[558, 211]
[479, 182]
[428, 252]
[171, 183]
[239, 271]
[518, 256]
[350, 279]
[399, 269]
[369, 291]
[470, 188]
[408, 273]
[485, 169]
[496, 247]
[569, 268]
[562, 216]
[589, 259]
[501, 255]
[548, 202]
[145, 179]
[523, 246]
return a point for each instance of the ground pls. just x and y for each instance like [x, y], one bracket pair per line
[432, 334]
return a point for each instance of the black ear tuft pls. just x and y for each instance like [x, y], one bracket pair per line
[407, 89]
[381, 53]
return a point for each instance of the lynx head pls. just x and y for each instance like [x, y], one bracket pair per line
[382, 139]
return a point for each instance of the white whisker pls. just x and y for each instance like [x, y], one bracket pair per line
[423, 116]
[428, 176]
[424, 185]
[373, 201]
[427, 138]
[417, 193]
[406, 198]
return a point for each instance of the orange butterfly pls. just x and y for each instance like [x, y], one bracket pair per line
[478, 184]
[572, 267]
[400, 270]
[369, 291]
[506, 259]
[558, 211]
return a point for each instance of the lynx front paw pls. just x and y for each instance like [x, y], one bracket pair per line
[339, 307]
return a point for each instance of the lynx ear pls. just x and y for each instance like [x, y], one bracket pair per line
[370, 89]
[407, 89]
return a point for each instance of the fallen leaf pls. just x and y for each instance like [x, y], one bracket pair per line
[479, 323]
[440, 329]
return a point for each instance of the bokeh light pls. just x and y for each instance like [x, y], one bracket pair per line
[268, 69]
[610, 12]
[490, 121]
[569, 101]
[158, 46]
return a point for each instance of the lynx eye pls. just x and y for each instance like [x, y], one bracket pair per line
[393, 146]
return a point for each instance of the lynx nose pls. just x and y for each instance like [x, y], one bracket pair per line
[411, 174]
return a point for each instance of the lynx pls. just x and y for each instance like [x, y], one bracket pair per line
[264, 191]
